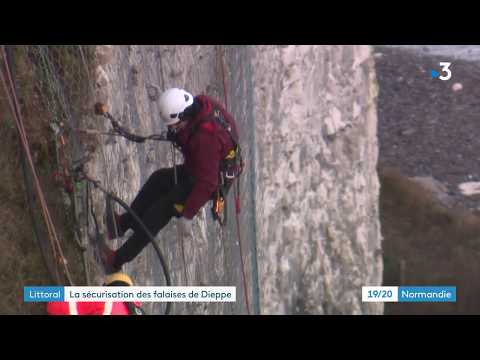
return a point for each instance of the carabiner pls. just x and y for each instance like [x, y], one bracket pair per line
[228, 176]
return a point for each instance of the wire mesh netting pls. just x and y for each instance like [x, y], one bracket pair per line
[65, 85]
[55, 86]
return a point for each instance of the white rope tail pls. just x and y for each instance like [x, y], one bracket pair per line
[108, 308]
[72, 307]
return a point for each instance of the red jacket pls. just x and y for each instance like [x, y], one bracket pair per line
[87, 308]
[204, 144]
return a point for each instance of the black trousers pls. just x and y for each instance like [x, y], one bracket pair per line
[154, 205]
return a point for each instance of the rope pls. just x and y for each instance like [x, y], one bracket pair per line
[58, 105]
[15, 108]
[237, 218]
[179, 235]
[87, 226]
[237, 193]
[56, 102]
[30, 198]
[33, 218]
[54, 88]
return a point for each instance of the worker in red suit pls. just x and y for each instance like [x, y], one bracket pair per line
[206, 134]
[99, 308]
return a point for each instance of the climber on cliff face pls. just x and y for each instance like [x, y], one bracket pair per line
[206, 135]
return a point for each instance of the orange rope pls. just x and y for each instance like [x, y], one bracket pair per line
[15, 108]
[237, 195]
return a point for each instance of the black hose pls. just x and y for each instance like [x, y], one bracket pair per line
[144, 228]
[121, 131]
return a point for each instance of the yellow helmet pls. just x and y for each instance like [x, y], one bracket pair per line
[118, 276]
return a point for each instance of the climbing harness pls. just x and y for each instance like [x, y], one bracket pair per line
[231, 167]
[179, 209]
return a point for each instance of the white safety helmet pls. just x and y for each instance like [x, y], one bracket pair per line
[172, 103]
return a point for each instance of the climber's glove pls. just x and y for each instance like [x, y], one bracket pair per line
[167, 135]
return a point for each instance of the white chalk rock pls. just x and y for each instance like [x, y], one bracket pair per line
[457, 87]
[470, 188]
[101, 77]
[104, 54]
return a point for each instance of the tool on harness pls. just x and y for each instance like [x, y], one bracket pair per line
[219, 211]
[178, 209]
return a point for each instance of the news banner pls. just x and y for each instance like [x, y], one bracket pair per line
[218, 293]
[409, 294]
[130, 293]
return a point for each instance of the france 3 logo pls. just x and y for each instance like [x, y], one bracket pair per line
[445, 69]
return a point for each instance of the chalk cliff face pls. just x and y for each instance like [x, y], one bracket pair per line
[309, 219]
[318, 232]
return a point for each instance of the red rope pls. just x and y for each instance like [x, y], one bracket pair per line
[15, 107]
[224, 78]
[237, 197]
